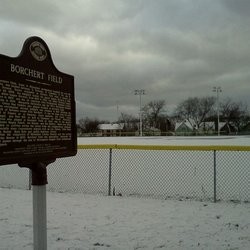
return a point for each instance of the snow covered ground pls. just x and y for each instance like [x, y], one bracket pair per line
[78, 221]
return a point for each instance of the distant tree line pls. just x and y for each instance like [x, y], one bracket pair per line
[195, 110]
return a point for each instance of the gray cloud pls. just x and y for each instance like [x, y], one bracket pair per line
[172, 49]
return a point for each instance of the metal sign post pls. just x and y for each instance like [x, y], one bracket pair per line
[39, 181]
[39, 217]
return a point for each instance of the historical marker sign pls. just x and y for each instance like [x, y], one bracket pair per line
[37, 107]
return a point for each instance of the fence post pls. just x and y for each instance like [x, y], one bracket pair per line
[110, 169]
[215, 199]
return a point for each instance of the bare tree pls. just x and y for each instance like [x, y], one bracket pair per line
[152, 112]
[195, 110]
[130, 122]
[234, 112]
[165, 124]
[88, 125]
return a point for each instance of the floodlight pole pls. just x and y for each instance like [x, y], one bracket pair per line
[140, 92]
[217, 90]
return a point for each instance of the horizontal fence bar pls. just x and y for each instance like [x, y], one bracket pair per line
[166, 147]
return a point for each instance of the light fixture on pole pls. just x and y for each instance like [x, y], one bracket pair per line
[217, 90]
[140, 92]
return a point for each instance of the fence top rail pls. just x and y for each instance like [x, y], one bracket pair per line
[167, 147]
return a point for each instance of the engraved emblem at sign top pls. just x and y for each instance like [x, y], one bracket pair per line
[38, 51]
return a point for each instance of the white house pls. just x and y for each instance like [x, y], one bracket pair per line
[111, 129]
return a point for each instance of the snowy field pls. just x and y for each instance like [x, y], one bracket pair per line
[78, 221]
[169, 140]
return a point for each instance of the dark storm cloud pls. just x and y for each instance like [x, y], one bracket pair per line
[241, 7]
[172, 49]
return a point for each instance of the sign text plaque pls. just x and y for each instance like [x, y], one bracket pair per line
[37, 107]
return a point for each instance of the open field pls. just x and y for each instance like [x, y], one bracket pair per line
[169, 140]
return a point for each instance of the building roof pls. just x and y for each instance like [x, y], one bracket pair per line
[181, 125]
[111, 126]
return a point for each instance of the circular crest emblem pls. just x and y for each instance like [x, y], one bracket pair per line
[38, 51]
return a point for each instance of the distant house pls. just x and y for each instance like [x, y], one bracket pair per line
[112, 129]
[228, 129]
[183, 128]
[207, 127]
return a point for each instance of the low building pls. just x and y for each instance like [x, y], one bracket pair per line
[228, 129]
[183, 128]
[207, 128]
[111, 129]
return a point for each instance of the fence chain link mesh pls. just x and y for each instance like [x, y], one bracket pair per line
[233, 176]
[166, 174]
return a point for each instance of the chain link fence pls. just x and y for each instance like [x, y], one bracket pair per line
[166, 172]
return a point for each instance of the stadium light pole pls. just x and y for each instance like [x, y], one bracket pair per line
[140, 92]
[217, 90]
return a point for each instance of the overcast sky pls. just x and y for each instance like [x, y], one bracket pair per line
[174, 49]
